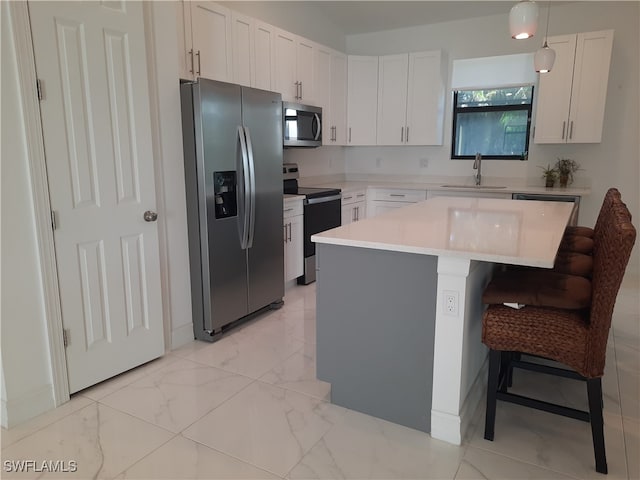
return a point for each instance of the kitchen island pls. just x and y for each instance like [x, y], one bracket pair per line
[399, 304]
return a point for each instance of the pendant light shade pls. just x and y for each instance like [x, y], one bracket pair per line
[523, 20]
[544, 58]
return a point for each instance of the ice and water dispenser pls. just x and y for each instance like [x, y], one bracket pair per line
[225, 194]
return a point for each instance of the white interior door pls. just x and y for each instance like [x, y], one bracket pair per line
[91, 60]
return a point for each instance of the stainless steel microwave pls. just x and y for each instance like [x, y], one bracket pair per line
[302, 125]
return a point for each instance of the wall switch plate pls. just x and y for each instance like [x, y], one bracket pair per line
[450, 302]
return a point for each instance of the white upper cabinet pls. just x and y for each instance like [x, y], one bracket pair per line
[362, 98]
[338, 98]
[212, 40]
[425, 98]
[411, 99]
[264, 56]
[185, 44]
[571, 97]
[243, 45]
[294, 67]
[392, 99]
[322, 83]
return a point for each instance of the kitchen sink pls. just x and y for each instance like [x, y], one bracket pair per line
[474, 186]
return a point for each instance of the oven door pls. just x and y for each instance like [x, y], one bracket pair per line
[320, 214]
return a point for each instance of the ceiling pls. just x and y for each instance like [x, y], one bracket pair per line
[353, 17]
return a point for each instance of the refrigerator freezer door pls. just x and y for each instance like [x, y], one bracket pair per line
[225, 274]
[262, 119]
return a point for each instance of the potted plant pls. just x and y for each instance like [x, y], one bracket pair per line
[550, 174]
[566, 167]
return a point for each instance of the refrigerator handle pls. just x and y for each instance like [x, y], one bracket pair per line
[252, 190]
[247, 186]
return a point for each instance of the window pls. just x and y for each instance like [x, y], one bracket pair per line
[493, 122]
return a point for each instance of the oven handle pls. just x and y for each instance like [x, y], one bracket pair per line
[313, 201]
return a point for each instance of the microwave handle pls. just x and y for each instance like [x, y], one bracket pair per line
[319, 131]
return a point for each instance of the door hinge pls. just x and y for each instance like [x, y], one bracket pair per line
[66, 337]
[40, 89]
[54, 222]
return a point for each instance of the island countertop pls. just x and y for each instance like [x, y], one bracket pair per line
[515, 232]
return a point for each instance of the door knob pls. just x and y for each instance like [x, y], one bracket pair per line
[150, 216]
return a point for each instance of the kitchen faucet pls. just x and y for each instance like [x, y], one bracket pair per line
[477, 165]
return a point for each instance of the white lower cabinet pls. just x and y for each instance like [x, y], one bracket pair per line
[293, 235]
[381, 200]
[354, 206]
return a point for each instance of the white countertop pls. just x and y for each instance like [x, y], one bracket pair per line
[504, 186]
[515, 232]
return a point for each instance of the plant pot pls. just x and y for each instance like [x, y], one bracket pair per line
[549, 182]
[564, 179]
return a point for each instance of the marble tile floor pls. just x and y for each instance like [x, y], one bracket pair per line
[249, 407]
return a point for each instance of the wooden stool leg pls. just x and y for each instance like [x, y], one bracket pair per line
[594, 392]
[492, 394]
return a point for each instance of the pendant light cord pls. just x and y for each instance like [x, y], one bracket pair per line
[546, 33]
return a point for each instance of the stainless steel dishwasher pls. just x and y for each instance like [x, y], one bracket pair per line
[544, 197]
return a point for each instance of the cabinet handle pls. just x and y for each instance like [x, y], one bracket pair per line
[347, 198]
[301, 95]
[285, 233]
[353, 214]
[335, 133]
[349, 134]
[357, 213]
[360, 195]
[406, 138]
[289, 231]
[401, 134]
[191, 54]
[396, 195]
[571, 130]
[564, 124]
[199, 65]
[288, 209]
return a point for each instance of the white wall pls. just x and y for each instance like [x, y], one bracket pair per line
[26, 370]
[302, 18]
[614, 162]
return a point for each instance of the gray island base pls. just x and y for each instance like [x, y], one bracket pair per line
[376, 313]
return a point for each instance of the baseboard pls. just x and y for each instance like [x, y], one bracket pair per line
[28, 406]
[453, 428]
[181, 336]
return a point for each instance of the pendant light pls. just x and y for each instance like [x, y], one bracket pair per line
[545, 57]
[523, 19]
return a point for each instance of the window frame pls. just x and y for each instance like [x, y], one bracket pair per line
[491, 108]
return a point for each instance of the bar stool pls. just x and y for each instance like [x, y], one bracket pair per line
[566, 319]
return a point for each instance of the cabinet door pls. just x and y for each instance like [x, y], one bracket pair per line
[322, 70]
[293, 247]
[362, 100]
[392, 99]
[185, 42]
[554, 93]
[286, 65]
[346, 214]
[304, 70]
[425, 99]
[589, 91]
[264, 56]
[243, 56]
[339, 98]
[212, 38]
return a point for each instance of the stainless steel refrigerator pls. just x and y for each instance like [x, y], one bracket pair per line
[233, 173]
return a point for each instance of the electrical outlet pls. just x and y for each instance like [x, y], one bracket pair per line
[378, 162]
[424, 162]
[450, 302]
